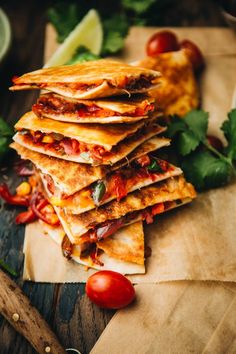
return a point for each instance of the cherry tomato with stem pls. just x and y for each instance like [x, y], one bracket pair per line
[161, 42]
[110, 290]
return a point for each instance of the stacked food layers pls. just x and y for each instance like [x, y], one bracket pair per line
[94, 139]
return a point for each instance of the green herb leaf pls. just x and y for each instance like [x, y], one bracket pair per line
[155, 167]
[5, 129]
[197, 121]
[205, 171]
[187, 142]
[115, 30]
[98, 192]
[229, 129]
[85, 156]
[6, 267]
[81, 55]
[189, 132]
[64, 18]
[6, 133]
[175, 126]
[113, 42]
[138, 6]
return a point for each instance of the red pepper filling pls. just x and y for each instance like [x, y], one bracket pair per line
[37, 207]
[92, 251]
[129, 84]
[108, 228]
[53, 104]
[68, 146]
[120, 183]
[13, 199]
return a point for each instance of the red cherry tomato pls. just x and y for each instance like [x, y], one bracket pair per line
[110, 290]
[194, 53]
[160, 42]
[215, 142]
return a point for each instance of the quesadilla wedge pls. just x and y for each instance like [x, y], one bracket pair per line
[178, 91]
[62, 176]
[144, 171]
[123, 252]
[85, 143]
[111, 110]
[97, 224]
[93, 79]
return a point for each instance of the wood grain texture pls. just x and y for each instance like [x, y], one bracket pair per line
[75, 321]
[16, 308]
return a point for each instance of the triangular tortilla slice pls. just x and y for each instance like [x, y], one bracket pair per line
[93, 79]
[123, 252]
[178, 90]
[64, 174]
[119, 152]
[133, 178]
[106, 136]
[111, 110]
[171, 193]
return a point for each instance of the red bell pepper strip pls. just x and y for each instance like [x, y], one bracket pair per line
[12, 199]
[37, 203]
[158, 208]
[120, 186]
[26, 217]
[143, 161]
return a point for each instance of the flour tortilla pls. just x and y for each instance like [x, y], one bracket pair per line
[124, 148]
[104, 78]
[178, 90]
[82, 201]
[65, 173]
[120, 110]
[172, 189]
[106, 136]
[123, 252]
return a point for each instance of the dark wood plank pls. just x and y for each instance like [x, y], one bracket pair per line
[68, 311]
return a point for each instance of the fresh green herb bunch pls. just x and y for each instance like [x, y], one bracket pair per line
[6, 133]
[203, 165]
[116, 16]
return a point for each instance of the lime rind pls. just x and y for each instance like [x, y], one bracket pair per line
[5, 34]
[88, 33]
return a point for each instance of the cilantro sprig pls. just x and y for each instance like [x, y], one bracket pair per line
[82, 55]
[117, 17]
[203, 165]
[6, 133]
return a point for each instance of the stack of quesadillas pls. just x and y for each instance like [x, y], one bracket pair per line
[92, 139]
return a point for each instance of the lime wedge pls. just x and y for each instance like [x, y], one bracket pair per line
[87, 33]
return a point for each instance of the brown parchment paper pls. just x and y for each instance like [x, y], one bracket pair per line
[196, 242]
[174, 318]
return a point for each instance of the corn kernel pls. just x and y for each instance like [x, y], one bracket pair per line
[57, 202]
[33, 181]
[47, 139]
[54, 219]
[48, 209]
[23, 189]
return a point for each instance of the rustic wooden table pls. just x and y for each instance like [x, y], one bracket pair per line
[74, 319]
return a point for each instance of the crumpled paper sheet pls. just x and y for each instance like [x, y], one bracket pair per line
[174, 318]
[196, 242]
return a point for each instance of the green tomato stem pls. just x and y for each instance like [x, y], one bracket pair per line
[221, 156]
